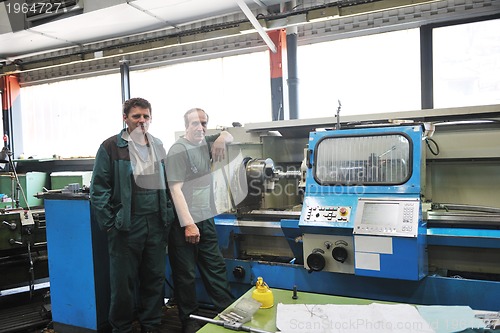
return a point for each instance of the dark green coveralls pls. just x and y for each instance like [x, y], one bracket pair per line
[191, 164]
[137, 222]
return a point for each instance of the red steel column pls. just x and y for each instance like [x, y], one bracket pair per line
[10, 88]
[276, 65]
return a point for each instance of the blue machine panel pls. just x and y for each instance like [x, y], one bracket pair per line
[365, 183]
[78, 267]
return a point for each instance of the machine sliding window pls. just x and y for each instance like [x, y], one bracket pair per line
[363, 160]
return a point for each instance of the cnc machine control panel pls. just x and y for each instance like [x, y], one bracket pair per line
[315, 213]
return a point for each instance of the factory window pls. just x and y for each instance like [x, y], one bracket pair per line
[466, 64]
[229, 89]
[70, 118]
[363, 160]
[369, 74]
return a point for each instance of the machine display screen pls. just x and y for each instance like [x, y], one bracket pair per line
[385, 214]
[391, 217]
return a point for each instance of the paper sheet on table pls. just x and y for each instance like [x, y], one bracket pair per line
[332, 318]
[444, 319]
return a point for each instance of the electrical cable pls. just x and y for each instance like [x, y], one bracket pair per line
[436, 147]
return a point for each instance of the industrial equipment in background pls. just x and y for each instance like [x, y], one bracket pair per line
[401, 210]
[22, 234]
[23, 245]
[23, 249]
[25, 300]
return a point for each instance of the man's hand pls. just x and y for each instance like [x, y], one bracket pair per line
[219, 146]
[192, 234]
[218, 150]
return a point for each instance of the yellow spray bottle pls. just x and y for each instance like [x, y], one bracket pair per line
[263, 294]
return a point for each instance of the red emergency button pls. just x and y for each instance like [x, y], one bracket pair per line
[343, 211]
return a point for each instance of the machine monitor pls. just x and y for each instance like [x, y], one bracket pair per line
[398, 217]
[380, 213]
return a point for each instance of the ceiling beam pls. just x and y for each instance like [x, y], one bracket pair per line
[147, 12]
[248, 13]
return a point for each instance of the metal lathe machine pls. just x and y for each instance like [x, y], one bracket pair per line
[398, 207]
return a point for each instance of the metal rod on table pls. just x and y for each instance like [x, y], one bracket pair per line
[231, 325]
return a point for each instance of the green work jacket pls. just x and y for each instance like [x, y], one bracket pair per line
[111, 187]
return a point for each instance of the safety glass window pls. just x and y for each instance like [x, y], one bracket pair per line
[363, 160]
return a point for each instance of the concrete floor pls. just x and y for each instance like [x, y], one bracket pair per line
[170, 321]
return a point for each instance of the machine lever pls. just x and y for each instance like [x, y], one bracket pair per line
[12, 241]
[11, 225]
[231, 325]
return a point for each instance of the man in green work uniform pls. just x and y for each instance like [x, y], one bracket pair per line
[193, 239]
[130, 201]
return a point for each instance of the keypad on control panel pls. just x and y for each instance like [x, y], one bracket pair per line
[327, 214]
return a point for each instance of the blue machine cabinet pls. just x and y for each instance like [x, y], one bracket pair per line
[78, 265]
[362, 211]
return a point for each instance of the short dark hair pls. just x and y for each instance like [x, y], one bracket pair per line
[188, 112]
[136, 102]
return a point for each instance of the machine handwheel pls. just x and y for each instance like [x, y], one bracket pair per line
[239, 272]
[339, 253]
[316, 262]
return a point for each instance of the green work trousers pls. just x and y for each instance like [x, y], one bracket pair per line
[137, 273]
[185, 257]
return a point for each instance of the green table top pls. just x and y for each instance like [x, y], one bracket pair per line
[265, 319]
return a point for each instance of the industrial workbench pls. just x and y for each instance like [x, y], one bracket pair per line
[265, 319]
[440, 319]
